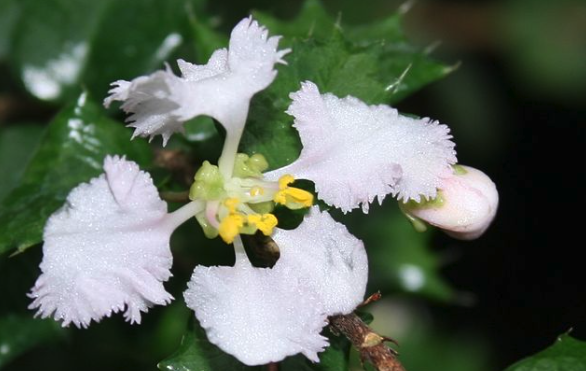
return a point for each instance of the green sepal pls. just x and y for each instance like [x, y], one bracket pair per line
[208, 230]
[425, 203]
[459, 169]
[250, 166]
[263, 207]
[209, 183]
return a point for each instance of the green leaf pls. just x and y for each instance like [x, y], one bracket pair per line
[61, 45]
[312, 21]
[196, 353]
[136, 37]
[566, 354]
[52, 45]
[207, 39]
[406, 67]
[10, 12]
[334, 358]
[355, 62]
[19, 334]
[71, 152]
[17, 146]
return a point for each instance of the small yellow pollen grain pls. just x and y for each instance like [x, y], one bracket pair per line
[285, 180]
[231, 204]
[256, 191]
[265, 222]
[230, 227]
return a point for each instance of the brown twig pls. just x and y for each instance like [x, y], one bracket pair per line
[177, 162]
[370, 345]
[273, 366]
[175, 196]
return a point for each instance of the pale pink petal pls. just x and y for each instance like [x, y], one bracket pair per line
[106, 250]
[469, 202]
[259, 315]
[355, 153]
[328, 258]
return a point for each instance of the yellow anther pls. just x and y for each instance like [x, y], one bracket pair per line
[285, 180]
[231, 204]
[265, 222]
[230, 227]
[294, 198]
[257, 191]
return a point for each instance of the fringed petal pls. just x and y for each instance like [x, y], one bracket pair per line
[152, 102]
[355, 153]
[106, 250]
[328, 258]
[259, 315]
[160, 103]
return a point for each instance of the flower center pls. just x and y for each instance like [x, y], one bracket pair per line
[243, 204]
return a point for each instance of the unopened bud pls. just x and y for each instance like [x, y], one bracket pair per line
[466, 204]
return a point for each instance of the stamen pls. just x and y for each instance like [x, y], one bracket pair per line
[293, 198]
[285, 180]
[230, 227]
[265, 222]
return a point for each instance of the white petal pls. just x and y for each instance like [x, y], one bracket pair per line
[222, 88]
[355, 153]
[253, 54]
[217, 64]
[259, 315]
[106, 250]
[331, 260]
[152, 102]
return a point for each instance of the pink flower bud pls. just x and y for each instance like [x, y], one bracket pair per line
[466, 204]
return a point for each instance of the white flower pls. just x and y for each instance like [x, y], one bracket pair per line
[107, 249]
[465, 207]
[222, 88]
[263, 315]
[355, 153]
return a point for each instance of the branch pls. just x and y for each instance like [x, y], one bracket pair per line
[177, 162]
[369, 344]
[175, 196]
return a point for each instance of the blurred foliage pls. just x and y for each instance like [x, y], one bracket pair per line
[59, 46]
[546, 43]
[19, 334]
[16, 149]
[400, 257]
[424, 344]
